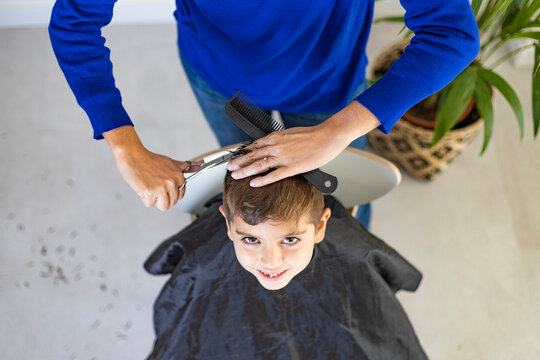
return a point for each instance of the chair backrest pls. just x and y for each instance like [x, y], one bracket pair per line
[362, 178]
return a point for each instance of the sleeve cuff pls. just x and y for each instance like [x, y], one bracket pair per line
[390, 97]
[102, 102]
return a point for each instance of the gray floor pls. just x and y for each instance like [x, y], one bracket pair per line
[74, 236]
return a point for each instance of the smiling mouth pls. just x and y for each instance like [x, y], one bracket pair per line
[274, 276]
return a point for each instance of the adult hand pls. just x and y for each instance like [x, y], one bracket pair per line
[298, 150]
[154, 177]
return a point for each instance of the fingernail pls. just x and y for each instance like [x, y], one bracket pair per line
[254, 183]
[234, 175]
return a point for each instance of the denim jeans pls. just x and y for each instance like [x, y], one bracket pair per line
[213, 103]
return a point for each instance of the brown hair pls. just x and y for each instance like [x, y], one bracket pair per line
[285, 200]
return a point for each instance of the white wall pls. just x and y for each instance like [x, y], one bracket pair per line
[25, 13]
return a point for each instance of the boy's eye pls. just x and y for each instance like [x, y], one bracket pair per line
[290, 240]
[249, 240]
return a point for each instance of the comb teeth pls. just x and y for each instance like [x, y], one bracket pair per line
[254, 114]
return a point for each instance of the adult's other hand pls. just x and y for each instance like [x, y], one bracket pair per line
[298, 150]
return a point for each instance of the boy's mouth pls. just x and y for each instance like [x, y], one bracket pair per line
[271, 276]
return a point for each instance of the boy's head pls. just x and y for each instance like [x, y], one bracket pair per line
[275, 227]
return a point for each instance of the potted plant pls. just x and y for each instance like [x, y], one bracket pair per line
[437, 129]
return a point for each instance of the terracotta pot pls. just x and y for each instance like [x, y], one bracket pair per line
[428, 122]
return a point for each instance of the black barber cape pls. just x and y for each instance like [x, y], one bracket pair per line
[342, 306]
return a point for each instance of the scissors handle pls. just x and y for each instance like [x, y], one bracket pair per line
[191, 177]
[206, 166]
[183, 185]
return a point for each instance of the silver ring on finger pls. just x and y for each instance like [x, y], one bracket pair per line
[266, 161]
[189, 164]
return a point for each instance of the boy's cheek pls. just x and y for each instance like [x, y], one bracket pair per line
[241, 256]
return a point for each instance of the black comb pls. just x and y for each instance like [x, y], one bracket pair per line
[253, 120]
[258, 123]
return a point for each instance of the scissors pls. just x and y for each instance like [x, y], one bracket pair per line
[208, 165]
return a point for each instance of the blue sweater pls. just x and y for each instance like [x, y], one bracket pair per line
[301, 56]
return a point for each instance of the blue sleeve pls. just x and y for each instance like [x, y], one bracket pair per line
[75, 32]
[446, 40]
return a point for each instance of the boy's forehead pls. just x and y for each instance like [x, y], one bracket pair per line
[284, 227]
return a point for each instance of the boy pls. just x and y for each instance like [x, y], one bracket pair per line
[275, 228]
[331, 299]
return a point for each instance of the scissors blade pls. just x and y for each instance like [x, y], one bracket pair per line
[217, 161]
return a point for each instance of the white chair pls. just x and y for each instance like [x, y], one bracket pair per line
[362, 178]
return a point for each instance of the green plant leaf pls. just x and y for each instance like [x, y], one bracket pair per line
[483, 14]
[526, 34]
[524, 16]
[398, 19]
[492, 15]
[506, 90]
[521, 3]
[482, 99]
[536, 90]
[510, 55]
[476, 4]
[403, 29]
[533, 24]
[510, 15]
[453, 103]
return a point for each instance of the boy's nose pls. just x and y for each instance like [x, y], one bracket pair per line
[272, 257]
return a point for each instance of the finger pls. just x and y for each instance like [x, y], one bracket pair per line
[163, 201]
[181, 193]
[264, 141]
[173, 193]
[180, 182]
[256, 167]
[182, 165]
[188, 166]
[148, 199]
[195, 165]
[249, 158]
[271, 177]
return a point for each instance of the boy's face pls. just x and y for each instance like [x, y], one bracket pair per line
[275, 252]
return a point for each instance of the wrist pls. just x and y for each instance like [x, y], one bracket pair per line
[353, 121]
[123, 140]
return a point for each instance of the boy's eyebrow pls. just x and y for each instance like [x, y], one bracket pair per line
[296, 232]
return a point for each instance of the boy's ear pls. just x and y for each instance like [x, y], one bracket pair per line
[222, 211]
[321, 229]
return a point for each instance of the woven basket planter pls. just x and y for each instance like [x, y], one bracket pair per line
[408, 146]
